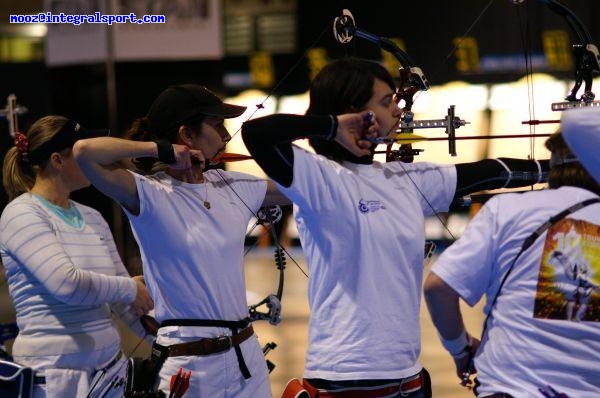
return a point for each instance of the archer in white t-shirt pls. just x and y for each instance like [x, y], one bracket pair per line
[543, 303]
[361, 225]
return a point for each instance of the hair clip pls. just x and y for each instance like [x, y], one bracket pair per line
[22, 144]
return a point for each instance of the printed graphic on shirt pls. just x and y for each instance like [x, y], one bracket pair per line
[569, 280]
[370, 206]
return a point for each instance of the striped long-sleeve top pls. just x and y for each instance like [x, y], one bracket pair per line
[63, 280]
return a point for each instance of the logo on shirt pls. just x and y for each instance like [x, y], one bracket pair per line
[366, 206]
[568, 285]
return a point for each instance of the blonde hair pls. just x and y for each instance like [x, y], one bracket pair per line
[18, 176]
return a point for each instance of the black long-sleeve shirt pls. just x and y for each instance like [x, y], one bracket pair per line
[269, 140]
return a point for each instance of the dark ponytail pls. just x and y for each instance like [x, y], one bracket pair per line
[140, 131]
[568, 173]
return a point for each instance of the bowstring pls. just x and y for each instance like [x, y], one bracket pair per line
[416, 96]
[261, 105]
[436, 213]
[463, 37]
[256, 215]
[257, 108]
[526, 43]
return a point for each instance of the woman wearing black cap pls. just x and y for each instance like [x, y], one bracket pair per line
[63, 268]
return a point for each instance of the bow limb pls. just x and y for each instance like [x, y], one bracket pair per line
[587, 62]
[411, 81]
[274, 300]
[412, 78]
[587, 59]
[271, 215]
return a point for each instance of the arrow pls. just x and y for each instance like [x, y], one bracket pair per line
[404, 138]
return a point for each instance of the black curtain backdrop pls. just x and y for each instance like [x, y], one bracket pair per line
[426, 27]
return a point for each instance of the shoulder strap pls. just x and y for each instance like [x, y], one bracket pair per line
[553, 220]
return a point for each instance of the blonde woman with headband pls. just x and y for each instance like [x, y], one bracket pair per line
[64, 273]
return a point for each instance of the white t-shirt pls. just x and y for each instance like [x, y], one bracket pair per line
[541, 331]
[362, 231]
[193, 256]
[61, 279]
[581, 130]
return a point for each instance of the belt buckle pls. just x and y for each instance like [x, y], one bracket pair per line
[227, 339]
[406, 387]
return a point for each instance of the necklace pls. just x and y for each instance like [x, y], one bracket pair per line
[194, 188]
[205, 201]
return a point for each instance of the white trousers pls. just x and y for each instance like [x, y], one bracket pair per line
[67, 377]
[219, 375]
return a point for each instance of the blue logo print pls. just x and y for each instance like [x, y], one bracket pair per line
[366, 206]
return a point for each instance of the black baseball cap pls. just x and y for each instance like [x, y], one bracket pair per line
[182, 103]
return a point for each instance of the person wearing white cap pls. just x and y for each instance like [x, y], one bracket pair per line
[534, 255]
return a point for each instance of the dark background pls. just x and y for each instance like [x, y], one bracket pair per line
[426, 27]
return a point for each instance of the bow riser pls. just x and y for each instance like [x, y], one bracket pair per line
[411, 81]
